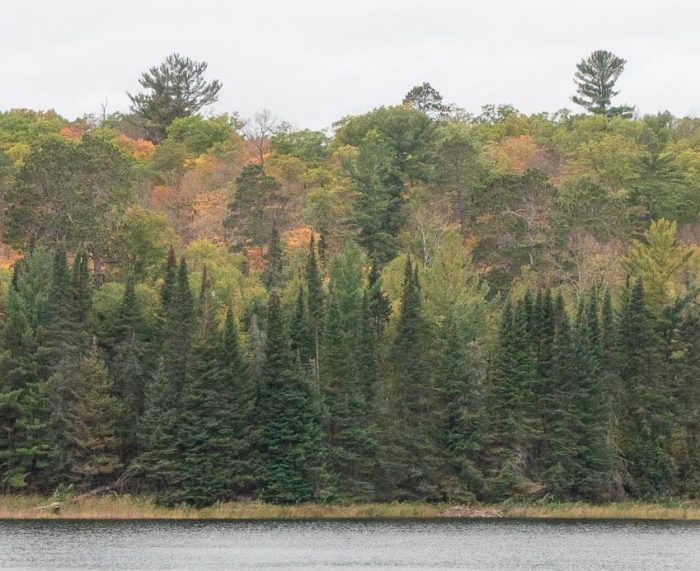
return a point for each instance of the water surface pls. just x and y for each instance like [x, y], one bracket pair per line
[433, 544]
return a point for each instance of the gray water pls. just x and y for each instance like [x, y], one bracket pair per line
[443, 544]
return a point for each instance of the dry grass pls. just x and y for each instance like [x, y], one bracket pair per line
[131, 507]
[622, 510]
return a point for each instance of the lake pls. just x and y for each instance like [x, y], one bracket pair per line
[432, 544]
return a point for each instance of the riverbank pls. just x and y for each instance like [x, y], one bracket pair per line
[130, 507]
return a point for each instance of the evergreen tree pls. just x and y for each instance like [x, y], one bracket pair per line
[378, 303]
[595, 81]
[177, 328]
[24, 444]
[156, 463]
[83, 417]
[272, 276]
[205, 439]
[511, 426]
[349, 428]
[594, 461]
[687, 399]
[300, 332]
[238, 383]
[409, 452]
[128, 370]
[646, 428]
[176, 88]
[314, 286]
[288, 433]
[167, 290]
[461, 419]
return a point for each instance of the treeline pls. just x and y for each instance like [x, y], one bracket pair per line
[335, 397]
[426, 304]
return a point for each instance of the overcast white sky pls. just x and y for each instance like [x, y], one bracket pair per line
[313, 61]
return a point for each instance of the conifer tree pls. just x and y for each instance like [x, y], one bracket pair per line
[128, 370]
[205, 439]
[156, 462]
[511, 426]
[349, 427]
[594, 460]
[177, 328]
[300, 332]
[410, 458]
[24, 442]
[167, 290]
[461, 419]
[288, 432]
[378, 303]
[83, 416]
[646, 427]
[314, 286]
[237, 382]
[272, 276]
[687, 398]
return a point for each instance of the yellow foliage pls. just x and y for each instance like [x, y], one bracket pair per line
[515, 155]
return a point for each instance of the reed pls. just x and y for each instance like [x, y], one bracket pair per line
[116, 507]
[621, 510]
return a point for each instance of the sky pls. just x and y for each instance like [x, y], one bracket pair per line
[312, 62]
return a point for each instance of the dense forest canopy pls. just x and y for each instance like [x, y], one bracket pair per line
[419, 304]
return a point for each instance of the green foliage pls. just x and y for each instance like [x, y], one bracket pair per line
[595, 81]
[69, 195]
[368, 376]
[288, 436]
[409, 453]
[657, 262]
[83, 421]
[250, 217]
[174, 89]
[199, 135]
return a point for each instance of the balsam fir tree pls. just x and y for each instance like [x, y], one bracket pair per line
[410, 453]
[288, 431]
[205, 439]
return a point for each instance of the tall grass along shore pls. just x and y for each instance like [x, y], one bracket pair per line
[134, 507]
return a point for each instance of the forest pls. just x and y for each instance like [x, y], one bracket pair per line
[418, 304]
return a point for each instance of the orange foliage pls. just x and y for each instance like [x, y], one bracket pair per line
[139, 148]
[72, 132]
[256, 258]
[8, 256]
[160, 195]
[296, 238]
[470, 242]
[515, 155]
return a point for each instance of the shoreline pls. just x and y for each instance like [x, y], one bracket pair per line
[143, 508]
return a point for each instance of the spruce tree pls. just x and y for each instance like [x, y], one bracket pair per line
[687, 403]
[85, 413]
[378, 303]
[128, 369]
[156, 463]
[349, 425]
[288, 432]
[461, 418]
[646, 427]
[594, 461]
[237, 382]
[205, 440]
[177, 328]
[409, 455]
[300, 333]
[510, 435]
[24, 443]
[272, 275]
[314, 286]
